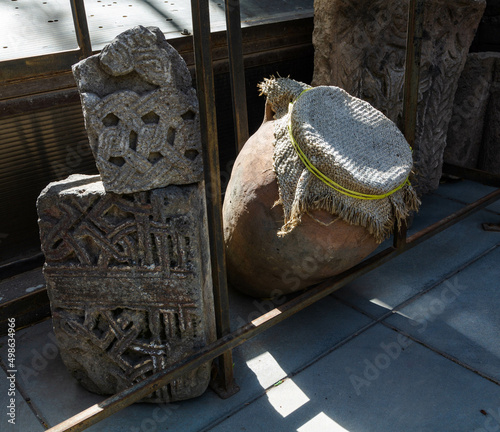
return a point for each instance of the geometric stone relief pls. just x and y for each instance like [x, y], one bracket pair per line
[131, 345]
[360, 47]
[115, 233]
[141, 113]
[129, 282]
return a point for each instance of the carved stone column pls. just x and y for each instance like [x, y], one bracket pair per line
[360, 47]
[467, 125]
[128, 278]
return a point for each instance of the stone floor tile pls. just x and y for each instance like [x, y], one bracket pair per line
[467, 191]
[24, 419]
[265, 360]
[379, 381]
[460, 316]
[426, 264]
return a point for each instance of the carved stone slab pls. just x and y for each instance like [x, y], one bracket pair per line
[490, 153]
[467, 125]
[141, 113]
[129, 282]
[360, 47]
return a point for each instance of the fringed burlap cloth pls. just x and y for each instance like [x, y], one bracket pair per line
[359, 150]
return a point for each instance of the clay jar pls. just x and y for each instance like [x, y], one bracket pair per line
[260, 263]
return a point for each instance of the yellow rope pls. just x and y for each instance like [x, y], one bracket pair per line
[329, 182]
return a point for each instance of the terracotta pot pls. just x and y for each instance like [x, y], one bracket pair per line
[260, 263]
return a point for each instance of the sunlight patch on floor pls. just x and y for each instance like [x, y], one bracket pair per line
[287, 397]
[266, 369]
[321, 423]
[380, 303]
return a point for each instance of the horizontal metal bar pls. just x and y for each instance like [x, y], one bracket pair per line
[476, 175]
[19, 69]
[29, 309]
[56, 98]
[21, 265]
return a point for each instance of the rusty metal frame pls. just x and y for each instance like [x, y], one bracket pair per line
[237, 72]
[224, 382]
[227, 340]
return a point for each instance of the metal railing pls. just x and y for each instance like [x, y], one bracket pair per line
[227, 340]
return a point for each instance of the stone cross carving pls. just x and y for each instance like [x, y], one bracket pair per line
[141, 113]
[360, 47]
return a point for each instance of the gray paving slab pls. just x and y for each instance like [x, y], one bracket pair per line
[293, 343]
[426, 264]
[379, 381]
[460, 316]
[467, 191]
[16, 415]
[260, 363]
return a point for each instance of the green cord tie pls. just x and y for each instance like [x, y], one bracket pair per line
[328, 181]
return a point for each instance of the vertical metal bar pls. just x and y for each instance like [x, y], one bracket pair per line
[412, 69]
[81, 27]
[224, 382]
[237, 72]
[411, 83]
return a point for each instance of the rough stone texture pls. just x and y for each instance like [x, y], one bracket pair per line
[260, 263]
[129, 282]
[360, 47]
[465, 132]
[141, 113]
[490, 154]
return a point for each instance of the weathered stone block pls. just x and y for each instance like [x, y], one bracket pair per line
[465, 133]
[141, 113]
[129, 282]
[490, 152]
[360, 47]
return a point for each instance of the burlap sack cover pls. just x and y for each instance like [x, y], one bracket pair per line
[351, 143]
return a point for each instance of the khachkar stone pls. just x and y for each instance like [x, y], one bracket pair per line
[490, 152]
[128, 278]
[141, 113]
[360, 47]
[473, 96]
